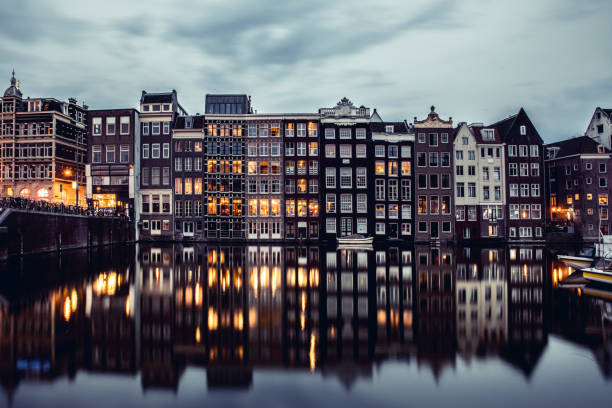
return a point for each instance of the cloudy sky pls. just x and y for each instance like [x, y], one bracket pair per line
[475, 61]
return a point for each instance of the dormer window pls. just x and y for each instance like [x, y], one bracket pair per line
[166, 107]
[488, 134]
[145, 108]
[188, 122]
[389, 129]
[600, 149]
[523, 130]
[156, 108]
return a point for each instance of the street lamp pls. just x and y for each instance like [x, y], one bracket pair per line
[75, 184]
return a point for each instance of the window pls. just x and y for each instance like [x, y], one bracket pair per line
[330, 225]
[522, 150]
[512, 150]
[379, 151]
[472, 170]
[124, 153]
[110, 126]
[379, 211]
[535, 190]
[345, 133]
[379, 190]
[421, 137]
[330, 133]
[97, 126]
[459, 155]
[433, 159]
[312, 129]
[155, 176]
[460, 190]
[330, 177]
[602, 167]
[405, 151]
[422, 205]
[393, 211]
[405, 168]
[379, 167]
[301, 149]
[523, 130]
[125, 125]
[433, 139]
[536, 211]
[345, 151]
[513, 190]
[406, 191]
[393, 190]
[421, 159]
[534, 151]
[96, 154]
[445, 159]
[433, 181]
[602, 182]
[313, 186]
[155, 151]
[362, 203]
[166, 150]
[459, 170]
[360, 133]
[313, 149]
[362, 224]
[444, 138]
[330, 150]
[361, 177]
[524, 190]
[155, 127]
[346, 203]
[330, 203]
[472, 190]
[110, 154]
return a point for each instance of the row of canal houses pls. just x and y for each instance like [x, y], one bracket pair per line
[233, 173]
[236, 174]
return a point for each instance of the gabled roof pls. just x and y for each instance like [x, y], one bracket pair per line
[576, 145]
[607, 111]
[508, 128]
[504, 125]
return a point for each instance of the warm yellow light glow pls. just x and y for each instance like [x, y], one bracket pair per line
[254, 280]
[303, 301]
[127, 306]
[263, 276]
[302, 278]
[381, 317]
[198, 295]
[312, 356]
[275, 279]
[73, 300]
[67, 309]
[67, 172]
[212, 276]
[252, 317]
[238, 320]
[112, 283]
[213, 319]
[302, 321]
[197, 334]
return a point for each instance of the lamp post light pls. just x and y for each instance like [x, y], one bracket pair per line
[75, 184]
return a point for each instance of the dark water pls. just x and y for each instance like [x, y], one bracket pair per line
[300, 326]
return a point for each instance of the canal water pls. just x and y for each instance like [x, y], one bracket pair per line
[195, 325]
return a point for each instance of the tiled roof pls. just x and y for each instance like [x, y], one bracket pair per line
[478, 134]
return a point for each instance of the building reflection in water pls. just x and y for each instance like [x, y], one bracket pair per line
[156, 310]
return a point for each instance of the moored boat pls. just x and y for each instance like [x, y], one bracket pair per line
[576, 262]
[355, 241]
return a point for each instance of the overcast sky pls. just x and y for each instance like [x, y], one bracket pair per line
[476, 61]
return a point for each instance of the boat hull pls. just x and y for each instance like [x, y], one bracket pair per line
[576, 262]
[597, 275]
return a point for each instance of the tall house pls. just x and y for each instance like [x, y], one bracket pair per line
[600, 127]
[225, 176]
[479, 183]
[157, 118]
[434, 178]
[393, 181]
[577, 185]
[188, 177]
[43, 147]
[113, 160]
[525, 178]
[344, 163]
[264, 177]
[301, 144]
